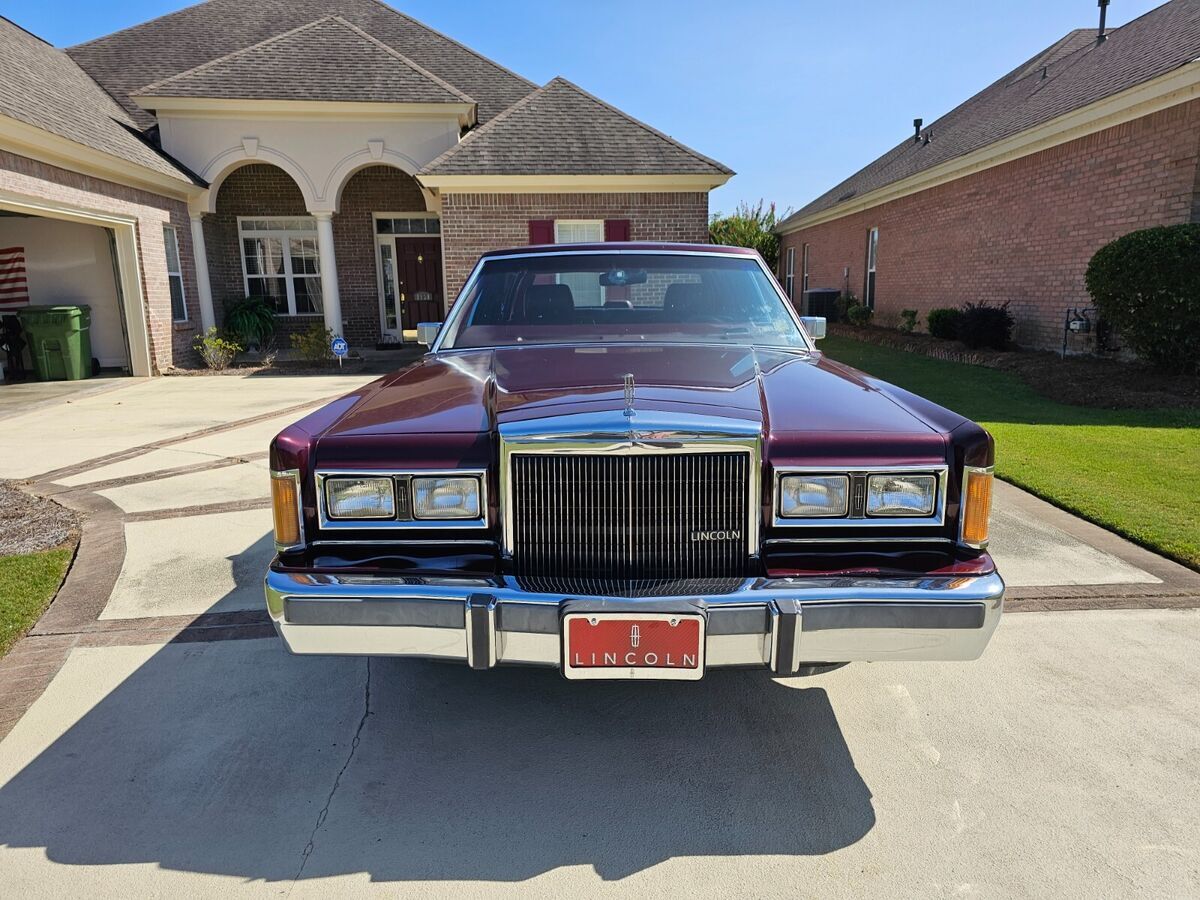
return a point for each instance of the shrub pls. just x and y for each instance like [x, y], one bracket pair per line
[251, 320]
[859, 314]
[842, 305]
[981, 325]
[313, 344]
[749, 226]
[943, 323]
[1147, 285]
[217, 351]
[909, 320]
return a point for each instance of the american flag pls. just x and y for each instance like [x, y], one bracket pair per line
[14, 289]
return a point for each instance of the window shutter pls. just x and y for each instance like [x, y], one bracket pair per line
[616, 229]
[541, 231]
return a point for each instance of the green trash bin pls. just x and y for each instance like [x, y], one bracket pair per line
[60, 342]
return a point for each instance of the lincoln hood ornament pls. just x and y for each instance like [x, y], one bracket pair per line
[629, 395]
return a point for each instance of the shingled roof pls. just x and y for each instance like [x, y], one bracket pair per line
[43, 87]
[149, 53]
[561, 129]
[340, 62]
[1072, 73]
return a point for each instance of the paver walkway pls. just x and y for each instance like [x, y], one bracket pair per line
[159, 740]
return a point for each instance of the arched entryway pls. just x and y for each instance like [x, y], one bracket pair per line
[389, 253]
[262, 241]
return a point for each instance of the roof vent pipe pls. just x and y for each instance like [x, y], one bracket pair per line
[1103, 35]
[917, 123]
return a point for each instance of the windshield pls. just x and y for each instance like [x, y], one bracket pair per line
[596, 297]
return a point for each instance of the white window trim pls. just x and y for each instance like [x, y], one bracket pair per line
[804, 260]
[282, 234]
[872, 264]
[789, 277]
[178, 274]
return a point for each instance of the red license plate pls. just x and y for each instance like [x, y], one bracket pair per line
[633, 645]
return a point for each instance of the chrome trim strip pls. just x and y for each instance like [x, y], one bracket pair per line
[937, 520]
[327, 524]
[294, 475]
[839, 539]
[408, 542]
[968, 471]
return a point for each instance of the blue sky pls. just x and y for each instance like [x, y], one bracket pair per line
[793, 94]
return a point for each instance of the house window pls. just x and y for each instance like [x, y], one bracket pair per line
[586, 289]
[418, 225]
[789, 275]
[281, 263]
[175, 275]
[804, 269]
[872, 250]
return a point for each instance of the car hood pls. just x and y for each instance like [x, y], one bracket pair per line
[475, 392]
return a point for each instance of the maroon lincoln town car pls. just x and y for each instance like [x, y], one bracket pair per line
[631, 461]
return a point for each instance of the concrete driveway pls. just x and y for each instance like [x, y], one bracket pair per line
[160, 742]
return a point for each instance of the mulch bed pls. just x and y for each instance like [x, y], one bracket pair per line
[279, 367]
[1100, 382]
[31, 524]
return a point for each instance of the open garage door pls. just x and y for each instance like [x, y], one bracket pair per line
[66, 257]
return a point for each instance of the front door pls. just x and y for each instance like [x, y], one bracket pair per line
[410, 277]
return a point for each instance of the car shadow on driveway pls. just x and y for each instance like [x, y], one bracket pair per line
[234, 758]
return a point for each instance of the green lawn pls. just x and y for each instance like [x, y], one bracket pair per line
[1132, 471]
[27, 585]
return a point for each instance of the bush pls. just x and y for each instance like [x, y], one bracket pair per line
[943, 323]
[750, 226]
[981, 325]
[859, 314]
[1147, 285]
[218, 352]
[313, 344]
[908, 320]
[842, 305]
[251, 320]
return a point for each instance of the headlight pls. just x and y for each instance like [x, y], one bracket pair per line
[360, 498]
[901, 495]
[446, 498]
[809, 496]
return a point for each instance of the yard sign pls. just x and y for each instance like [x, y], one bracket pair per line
[14, 289]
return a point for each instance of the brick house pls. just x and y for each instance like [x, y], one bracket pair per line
[1007, 197]
[335, 156]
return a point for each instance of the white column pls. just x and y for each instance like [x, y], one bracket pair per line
[329, 280]
[207, 318]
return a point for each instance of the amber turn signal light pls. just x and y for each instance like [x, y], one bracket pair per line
[977, 507]
[285, 505]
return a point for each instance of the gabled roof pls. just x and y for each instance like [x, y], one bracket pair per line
[1072, 73]
[156, 50]
[328, 59]
[561, 129]
[43, 87]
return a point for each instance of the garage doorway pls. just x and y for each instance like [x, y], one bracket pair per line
[73, 257]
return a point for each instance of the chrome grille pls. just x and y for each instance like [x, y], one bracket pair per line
[630, 516]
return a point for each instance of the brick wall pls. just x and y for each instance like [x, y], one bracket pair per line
[170, 344]
[371, 190]
[474, 223]
[1021, 232]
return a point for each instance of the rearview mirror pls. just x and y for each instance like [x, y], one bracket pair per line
[815, 326]
[427, 333]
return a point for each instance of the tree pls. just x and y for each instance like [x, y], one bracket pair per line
[749, 226]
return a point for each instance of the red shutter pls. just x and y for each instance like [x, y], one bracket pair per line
[541, 231]
[616, 229]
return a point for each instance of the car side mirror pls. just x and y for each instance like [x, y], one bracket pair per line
[427, 333]
[815, 326]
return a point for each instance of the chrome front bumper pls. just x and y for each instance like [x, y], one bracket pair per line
[782, 624]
